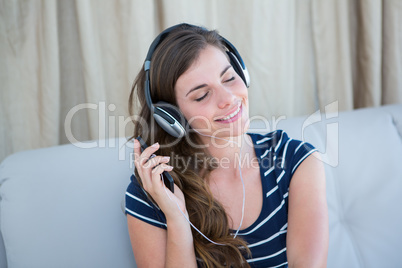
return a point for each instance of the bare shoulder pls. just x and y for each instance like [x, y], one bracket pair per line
[311, 168]
[307, 186]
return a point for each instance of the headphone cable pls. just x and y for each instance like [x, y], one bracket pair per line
[244, 196]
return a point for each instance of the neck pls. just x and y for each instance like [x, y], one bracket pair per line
[228, 150]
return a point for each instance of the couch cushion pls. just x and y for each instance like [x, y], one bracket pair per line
[62, 207]
[362, 152]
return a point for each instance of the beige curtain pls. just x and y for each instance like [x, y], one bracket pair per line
[66, 67]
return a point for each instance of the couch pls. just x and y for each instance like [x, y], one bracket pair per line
[63, 206]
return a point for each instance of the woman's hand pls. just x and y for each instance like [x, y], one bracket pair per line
[153, 246]
[150, 167]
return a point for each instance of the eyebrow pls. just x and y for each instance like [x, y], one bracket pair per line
[204, 85]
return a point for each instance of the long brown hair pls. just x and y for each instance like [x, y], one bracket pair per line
[192, 164]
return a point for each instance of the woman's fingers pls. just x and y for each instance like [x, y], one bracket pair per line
[148, 165]
[148, 152]
[142, 157]
[157, 171]
[154, 180]
[155, 161]
[160, 168]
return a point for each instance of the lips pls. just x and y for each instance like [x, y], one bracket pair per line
[232, 114]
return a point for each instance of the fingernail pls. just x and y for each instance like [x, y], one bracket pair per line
[166, 158]
[169, 167]
[155, 144]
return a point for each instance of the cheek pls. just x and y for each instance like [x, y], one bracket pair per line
[198, 117]
[241, 89]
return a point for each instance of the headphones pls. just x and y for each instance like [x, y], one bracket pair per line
[168, 116]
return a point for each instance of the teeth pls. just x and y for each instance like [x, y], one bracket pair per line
[231, 115]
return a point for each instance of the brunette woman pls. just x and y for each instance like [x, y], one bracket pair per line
[239, 199]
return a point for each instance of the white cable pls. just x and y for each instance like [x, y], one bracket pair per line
[244, 196]
[177, 204]
[241, 178]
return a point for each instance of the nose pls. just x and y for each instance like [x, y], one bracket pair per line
[225, 97]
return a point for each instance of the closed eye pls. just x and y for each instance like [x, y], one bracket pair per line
[230, 79]
[201, 98]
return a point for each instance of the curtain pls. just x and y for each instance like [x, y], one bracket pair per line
[66, 67]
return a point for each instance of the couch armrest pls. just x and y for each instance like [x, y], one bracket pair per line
[3, 258]
[62, 207]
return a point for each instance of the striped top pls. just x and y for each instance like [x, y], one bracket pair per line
[278, 157]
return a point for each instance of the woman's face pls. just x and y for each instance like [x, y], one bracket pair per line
[212, 96]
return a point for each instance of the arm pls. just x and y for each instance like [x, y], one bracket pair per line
[153, 246]
[156, 247]
[307, 238]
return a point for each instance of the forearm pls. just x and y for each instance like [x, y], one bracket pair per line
[180, 248]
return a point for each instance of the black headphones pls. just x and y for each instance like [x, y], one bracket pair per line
[168, 116]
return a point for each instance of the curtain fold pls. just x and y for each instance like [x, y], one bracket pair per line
[333, 53]
[108, 50]
[367, 48]
[66, 67]
[392, 52]
[29, 76]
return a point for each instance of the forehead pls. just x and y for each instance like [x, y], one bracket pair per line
[208, 65]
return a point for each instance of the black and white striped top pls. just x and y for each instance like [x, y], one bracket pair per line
[278, 156]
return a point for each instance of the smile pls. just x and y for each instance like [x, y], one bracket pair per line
[230, 116]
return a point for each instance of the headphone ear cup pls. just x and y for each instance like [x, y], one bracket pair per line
[171, 110]
[243, 73]
[170, 119]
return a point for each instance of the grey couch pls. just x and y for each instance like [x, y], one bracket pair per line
[63, 206]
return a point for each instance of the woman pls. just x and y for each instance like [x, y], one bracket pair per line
[254, 200]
